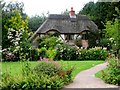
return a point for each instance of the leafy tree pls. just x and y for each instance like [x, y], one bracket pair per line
[8, 8]
[35, 22]
[12, 18]
[88, 10]
[100, 12]
[113, 30]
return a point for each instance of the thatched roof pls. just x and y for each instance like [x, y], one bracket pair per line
[64, 24]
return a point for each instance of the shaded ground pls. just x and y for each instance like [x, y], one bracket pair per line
[86, 79]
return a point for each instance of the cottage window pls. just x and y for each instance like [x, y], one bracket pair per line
[69, 37]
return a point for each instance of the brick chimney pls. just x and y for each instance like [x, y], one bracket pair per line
[72, 13]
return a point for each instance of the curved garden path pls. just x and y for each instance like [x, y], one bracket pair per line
[86, 79]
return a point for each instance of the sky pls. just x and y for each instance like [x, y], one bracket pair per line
[39, 7]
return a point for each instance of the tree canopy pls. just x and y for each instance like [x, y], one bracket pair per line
[12, 17]
[100, 12]
[113, 30]
[34, 22]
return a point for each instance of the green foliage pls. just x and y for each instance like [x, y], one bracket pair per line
[46, 75]
[119, 53]
[112, 74]
[33, 81]
[93, 38]
[34, 54]
[104, 42]
[113, 31]
[15, 33]
[48, 67]
[51, 53]
[52, 48]
[42, 81]
[8, 82]
[99, 12]
[37, 54]
[42, 52]
[92, 54]
[38, 81]
[88, 9]
[0, 52]
[53, 34]
[19, 46]
[26, 68]
[35, 22]
[65, 52]
[16, 22]
[53, 68]
[15, 68]
[12, 17]
[49, 42]
[1, 5]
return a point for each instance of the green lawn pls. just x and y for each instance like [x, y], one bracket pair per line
[15, 68]
[99, 74]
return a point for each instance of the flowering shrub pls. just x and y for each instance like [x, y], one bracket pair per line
[19, 45]
[9, 56]
[66, 52]
[14, 36]
[96, 53]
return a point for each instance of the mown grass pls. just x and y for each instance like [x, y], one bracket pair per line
[99, 74]
[15, 68]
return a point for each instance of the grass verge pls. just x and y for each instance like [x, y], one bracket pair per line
[99, 74]
[15, 68]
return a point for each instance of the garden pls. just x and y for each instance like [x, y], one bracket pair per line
[53, 64]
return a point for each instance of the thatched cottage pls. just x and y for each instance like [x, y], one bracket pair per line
[69, 26]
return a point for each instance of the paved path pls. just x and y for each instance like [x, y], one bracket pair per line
[86, 79]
